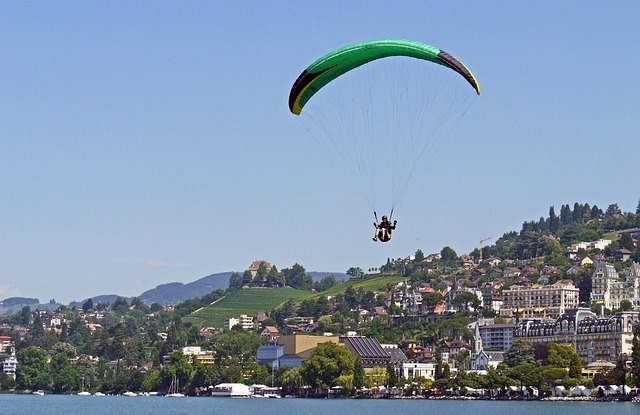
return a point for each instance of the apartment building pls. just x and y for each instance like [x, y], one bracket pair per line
[593, 337]
[539, 301]
[609, 289]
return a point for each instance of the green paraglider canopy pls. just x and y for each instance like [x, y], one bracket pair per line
[338, 62]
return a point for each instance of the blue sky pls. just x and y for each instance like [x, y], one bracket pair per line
[149, 142]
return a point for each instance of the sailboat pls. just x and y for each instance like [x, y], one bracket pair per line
[83, 392]
[174, 389]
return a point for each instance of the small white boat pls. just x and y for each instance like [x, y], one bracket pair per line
[98, 394]
[38, 392]
[174, 389]
[84, 393]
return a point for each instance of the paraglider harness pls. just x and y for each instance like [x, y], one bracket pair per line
[384, 228]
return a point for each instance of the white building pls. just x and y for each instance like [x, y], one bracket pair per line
[9, 366]
[539, 301]
[243, 321]
[600, 244]
[233, 390]
[410, 370]
[609, 290]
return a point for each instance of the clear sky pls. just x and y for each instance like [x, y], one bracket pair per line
[148, 142]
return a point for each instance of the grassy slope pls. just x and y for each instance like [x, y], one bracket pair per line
[247, 301]
[251, 300]
[367, 284]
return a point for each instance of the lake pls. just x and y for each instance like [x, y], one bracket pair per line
[109, 405]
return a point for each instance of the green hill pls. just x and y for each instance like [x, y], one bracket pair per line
[252, 300]
[378, 283]
[246, 301]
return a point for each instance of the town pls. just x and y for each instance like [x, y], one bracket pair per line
[542, 313]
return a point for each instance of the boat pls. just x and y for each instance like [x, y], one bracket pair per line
[82, 391]
[38, 392]
[98, 394]
[174, 389]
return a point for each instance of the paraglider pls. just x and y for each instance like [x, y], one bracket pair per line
[383, 229]
[338, 62]
[382, 107]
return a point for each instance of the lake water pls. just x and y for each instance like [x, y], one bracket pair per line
[122, 405]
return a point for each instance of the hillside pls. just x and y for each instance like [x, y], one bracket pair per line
[378, 283]
[246, 301]
[251, 300]
[177, 292]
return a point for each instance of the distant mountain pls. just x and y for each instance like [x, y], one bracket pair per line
[340, 276]
[99, 299]
[13, 301]
[176, 292]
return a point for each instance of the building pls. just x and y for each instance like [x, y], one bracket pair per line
[410, 370]
[270, 334]
[536, 301]
[600, 244]
[609, 290]
[237, 390]
[592, 337]
[6, 345]
[202, 356]
[9, 366]
[270, 355]
[291, 350]
[482, 359]
[255, 266]
[372, 353]
[497, 337]
[243, 321]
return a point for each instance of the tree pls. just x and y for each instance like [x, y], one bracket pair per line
[619, 372]
[246, 278]
[520, 352]
[88, 305]
[355, 272]
[448, 254]
[235, 280]
[261, 274]
[25, 316]
[358, 373]
[392, 375]
[120, 305]
[554, 221]
[274, 278]
[292, 381]
[465, 299]
[626, 305]
[296, 277]
[33, 370]
[419, 256]
[327, 362]
[626, 241]
[63, 373]
[352, 296]
[565, 357]
[325, 283]
[612, 210]
[432, 299]
[6, 381]
[635, 355]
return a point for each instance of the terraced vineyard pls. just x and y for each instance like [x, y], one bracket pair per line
[246, 301]
[368, 284]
